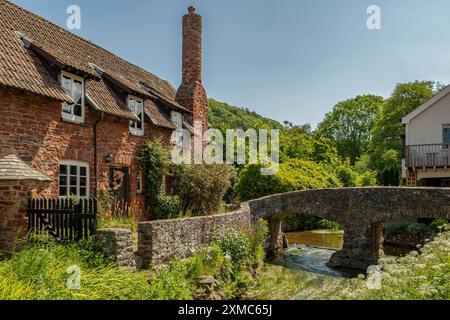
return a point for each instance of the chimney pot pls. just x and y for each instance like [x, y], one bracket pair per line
[191, 10]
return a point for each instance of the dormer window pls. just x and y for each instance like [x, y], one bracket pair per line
[74, 87]
[136, 105]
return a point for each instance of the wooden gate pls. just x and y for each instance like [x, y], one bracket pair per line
[63, 219]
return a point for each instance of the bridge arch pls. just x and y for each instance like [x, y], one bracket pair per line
[361, 212]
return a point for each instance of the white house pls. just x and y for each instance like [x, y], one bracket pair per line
[427, 143]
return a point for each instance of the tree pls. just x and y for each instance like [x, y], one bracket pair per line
[349, 125]
[386, 145]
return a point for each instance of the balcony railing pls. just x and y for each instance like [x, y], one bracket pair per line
[428, 155]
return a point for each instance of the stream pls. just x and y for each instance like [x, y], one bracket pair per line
[305, 263]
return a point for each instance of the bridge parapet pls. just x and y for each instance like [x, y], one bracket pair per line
[360, 211]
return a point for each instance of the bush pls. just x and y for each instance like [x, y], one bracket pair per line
[294, 174]
[168, 207]
[405, 227]
[201, 188]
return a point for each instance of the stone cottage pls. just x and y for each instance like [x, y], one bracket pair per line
[79, 114]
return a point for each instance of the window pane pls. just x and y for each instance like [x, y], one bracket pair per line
[77, 110]
[63, 180]
[67, 108]
[73, 181]
[77, 91]
[446, 135]
[83, 182]
[83, 171]
[67, 85]
[131, 105]
[73, 170]
[62, 191]
[62, 169]
[73, 191]
[139, 125]
[82, 192]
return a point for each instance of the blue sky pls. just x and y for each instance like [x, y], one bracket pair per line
[288, 59]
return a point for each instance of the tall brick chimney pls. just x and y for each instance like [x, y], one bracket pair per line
[191, 93]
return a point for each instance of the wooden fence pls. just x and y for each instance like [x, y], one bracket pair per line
[62, 218]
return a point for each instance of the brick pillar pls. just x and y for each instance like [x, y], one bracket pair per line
[191, 93]
[17, 180]
[14, 195]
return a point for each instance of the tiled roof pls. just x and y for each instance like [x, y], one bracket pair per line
[156, 116]
[20, 67]
[12, 168]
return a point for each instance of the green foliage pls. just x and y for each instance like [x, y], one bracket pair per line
[168, 207]
[438, 224]
[294, 174]
[235, 244]
[202, 188]
[223, 116]
[305, 223]
[349, 125]
[386, 145]
[406, 228]
[155, 164]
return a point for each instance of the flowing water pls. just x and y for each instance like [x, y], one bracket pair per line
[303, 266]
[310, 251]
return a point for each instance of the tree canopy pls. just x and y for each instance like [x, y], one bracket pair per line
[349, 125]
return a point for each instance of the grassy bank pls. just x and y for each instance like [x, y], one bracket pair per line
[225, 269]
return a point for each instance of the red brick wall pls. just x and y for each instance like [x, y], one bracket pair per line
[32, 127]
[13, 221]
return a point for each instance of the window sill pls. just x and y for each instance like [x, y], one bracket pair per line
[79, 122]
[138, 135]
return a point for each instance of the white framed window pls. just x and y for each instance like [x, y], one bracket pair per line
[136, 105]
[139, 183]
[73, 178]
[74, 87]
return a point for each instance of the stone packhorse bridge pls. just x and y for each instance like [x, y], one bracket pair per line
[361, 212]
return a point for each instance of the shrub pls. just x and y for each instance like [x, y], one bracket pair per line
[405, 227]
[168, 207]
[235, 244]
[294, 174]
[201, 188]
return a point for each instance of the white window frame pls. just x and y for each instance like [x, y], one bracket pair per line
[133, 124]
[139, 183]
[77, 164]
[71, 116]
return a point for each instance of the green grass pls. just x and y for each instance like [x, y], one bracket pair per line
[40, 271]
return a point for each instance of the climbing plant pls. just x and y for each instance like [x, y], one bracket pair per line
[155, 164]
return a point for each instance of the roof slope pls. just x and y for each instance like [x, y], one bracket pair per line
[21, 68]
[441, 94]
[12, 168]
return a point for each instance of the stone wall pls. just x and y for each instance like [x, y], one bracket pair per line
[117, 243]
[160, 241]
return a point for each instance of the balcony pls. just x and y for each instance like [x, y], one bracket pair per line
[428, 155]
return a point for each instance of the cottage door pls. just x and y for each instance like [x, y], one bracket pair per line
[119, 178]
